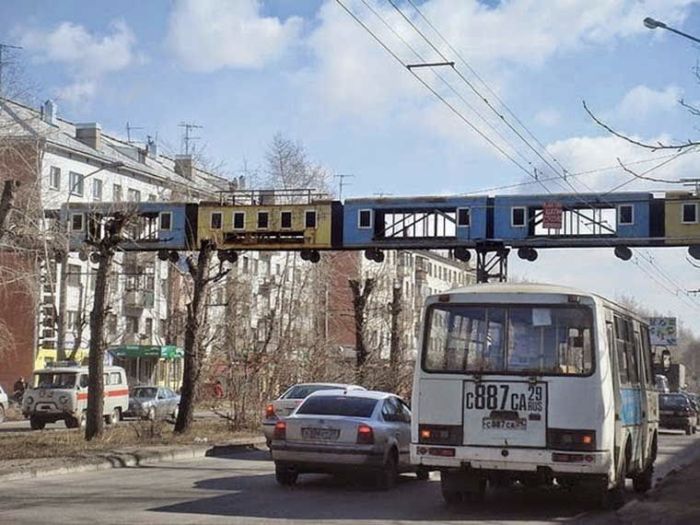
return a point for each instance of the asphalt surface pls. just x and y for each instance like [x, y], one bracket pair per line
[242, 489]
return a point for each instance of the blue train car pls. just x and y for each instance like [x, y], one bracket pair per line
[584, 219]
[414, 222]
[151, 226]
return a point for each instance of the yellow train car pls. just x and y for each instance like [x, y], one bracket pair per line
[260, 225]
[682, 218]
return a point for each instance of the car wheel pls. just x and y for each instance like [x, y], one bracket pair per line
[688, 430]
[71, 422]
[285, 476]
[387, 477]
[2, 413]
[36, 423]
[423, 474]
[114, 417]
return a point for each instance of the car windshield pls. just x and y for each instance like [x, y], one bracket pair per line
[340, 405]
[303, 391]
[54, 380]
[507, 339]
[142, 393]
[673, 402]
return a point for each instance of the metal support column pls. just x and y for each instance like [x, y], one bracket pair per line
[491, 263]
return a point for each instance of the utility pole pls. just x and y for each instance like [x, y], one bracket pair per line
[3, 47]
[341, 182]
[187, 138]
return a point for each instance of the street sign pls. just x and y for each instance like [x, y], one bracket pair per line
[551, 215]
[662, 331]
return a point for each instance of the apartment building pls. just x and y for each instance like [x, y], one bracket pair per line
[64, 162]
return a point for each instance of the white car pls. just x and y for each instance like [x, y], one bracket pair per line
[4, 403]
[292, 398]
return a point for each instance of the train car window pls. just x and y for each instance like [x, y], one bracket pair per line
[517, 217]
[263, 219]
[76, 222]
[166, 220]
[216, 220]
[625, 214]
[364, 219]
[690, 213]
[286, 219]
[238, 220]
[463, 217]
[310, 219]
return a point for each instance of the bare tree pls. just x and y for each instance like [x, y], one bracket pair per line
[361, 291]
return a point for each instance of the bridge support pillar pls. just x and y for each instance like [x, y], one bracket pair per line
[491, 263]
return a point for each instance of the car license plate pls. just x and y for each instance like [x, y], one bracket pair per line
[324, 434]
[508, 424]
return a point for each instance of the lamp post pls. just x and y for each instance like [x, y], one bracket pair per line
[63, 278]
[653, 24]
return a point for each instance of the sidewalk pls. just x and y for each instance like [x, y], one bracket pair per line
[11, 470]
[675, 500]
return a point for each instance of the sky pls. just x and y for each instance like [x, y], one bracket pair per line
[245, 70]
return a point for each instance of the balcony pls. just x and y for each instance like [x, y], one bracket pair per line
[138, 299]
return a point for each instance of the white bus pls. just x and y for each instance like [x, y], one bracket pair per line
[534, 384]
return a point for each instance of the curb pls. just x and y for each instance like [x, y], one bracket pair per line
[118, 459]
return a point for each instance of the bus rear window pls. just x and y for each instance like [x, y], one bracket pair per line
[509, 339]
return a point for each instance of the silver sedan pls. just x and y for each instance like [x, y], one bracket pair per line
[152, 402]
[338, 431]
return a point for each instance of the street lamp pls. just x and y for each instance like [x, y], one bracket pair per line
[63, 284]
[653, 24]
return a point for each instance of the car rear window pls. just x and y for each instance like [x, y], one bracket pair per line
[302, 391]
[338, 406]
[672, 401]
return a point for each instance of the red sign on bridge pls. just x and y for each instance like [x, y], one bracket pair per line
[551, 215]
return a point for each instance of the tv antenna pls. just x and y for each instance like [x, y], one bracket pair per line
[187, 137]
[341, 182]
[129, 129]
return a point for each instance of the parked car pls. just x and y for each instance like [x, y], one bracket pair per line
[4, 404]
[345, 430]
[292, 398]
[677, 411]
[695, 402]
[153, 402]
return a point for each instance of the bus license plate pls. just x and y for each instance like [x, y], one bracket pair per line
[324, 434]
[507, 424]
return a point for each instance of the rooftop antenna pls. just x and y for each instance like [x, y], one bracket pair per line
[3, 47]
[187, 138]
[341, 182]
[129, 128]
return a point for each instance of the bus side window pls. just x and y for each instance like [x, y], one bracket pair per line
[620, 351]
[632, 352]
[648, 358]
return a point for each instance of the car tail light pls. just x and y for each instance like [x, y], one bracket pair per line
[270, 411]
[565, 439]
[440, 434]
[365, 435]
[280, 432]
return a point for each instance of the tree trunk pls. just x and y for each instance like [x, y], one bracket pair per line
[6, 202]
[95, 419]
[359, 303]
[193, 354]
[395, 348]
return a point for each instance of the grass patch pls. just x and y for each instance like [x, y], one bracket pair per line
[71, 443]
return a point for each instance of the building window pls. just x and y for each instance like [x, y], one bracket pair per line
[310, 219]
[463, 218]
[216, 220]
[364, 219]
[132, 325]
[152, 197]
[238, 220]
[55, 178]
[286, 219]
[263, 219]
[166, 220]
[133, 195]
[77, 222]
[116, 192]
[689, 213]
[625, 214]
[97, 189]
[149, 327]
[76, 182]
[517, 217]
[73, 275]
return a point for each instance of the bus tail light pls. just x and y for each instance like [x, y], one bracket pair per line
[365, 435]
[565, 439]
[440, 434]
[280, 432]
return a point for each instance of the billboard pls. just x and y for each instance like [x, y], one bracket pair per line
[551, 215]
[662, 331]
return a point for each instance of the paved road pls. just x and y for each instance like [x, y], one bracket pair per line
[241, 489]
